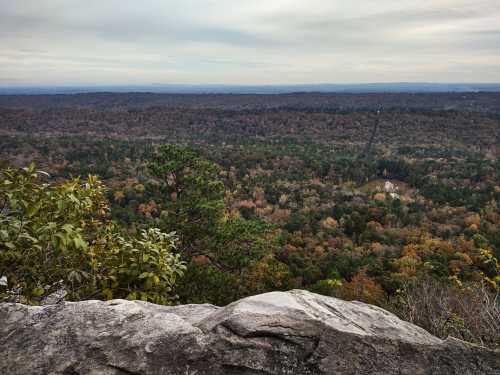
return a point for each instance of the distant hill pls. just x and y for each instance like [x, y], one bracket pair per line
[257, 89]
[458, 101]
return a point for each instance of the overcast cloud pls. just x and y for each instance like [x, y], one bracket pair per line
[248, 41]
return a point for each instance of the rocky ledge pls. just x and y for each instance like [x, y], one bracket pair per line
[296, 332]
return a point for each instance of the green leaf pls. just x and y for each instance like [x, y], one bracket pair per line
[132, 296]
[107, 293]
[73, 198]
[38, 291]
[68, 228]
[79, 243]
[4, 235]
[33, 210]
[28, 237]
[13, 203]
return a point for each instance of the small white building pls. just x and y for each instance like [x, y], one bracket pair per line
[391, 189]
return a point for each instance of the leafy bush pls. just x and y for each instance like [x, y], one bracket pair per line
[54, 235]
[145, 268]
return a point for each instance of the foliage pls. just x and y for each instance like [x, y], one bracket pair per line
[363, 288]
[192, 195]
[53, 233]
[277, 198]
[223, 253]
[144, 268]
[238, 262]
[468, 312]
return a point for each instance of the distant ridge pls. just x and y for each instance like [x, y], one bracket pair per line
[404, 87]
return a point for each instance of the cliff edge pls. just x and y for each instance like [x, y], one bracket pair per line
[294, 332]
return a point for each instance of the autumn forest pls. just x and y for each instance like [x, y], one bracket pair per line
[395, 206]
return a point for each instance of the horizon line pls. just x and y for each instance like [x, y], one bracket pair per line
[248, 84]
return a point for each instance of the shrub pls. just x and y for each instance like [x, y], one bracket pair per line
[58, 234]
[469, 312]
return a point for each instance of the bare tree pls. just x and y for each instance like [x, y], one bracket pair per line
[470, 312]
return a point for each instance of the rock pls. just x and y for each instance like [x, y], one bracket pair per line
[57, 296]
[296, 332]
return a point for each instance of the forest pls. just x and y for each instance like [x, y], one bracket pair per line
[397, 207]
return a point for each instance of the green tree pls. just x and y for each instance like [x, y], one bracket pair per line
[238, 262]
[192, 194]
[227, 257]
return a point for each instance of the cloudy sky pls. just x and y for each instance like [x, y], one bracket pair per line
[248, 41]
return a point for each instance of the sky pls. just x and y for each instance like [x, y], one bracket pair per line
[122, 42]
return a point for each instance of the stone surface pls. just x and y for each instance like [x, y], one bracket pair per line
[275, 333]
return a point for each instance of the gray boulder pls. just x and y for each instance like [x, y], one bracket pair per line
[296, 332]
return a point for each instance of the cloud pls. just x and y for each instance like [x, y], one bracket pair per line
[239, 41]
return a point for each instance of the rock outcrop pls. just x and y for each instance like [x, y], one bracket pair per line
[275, 333]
